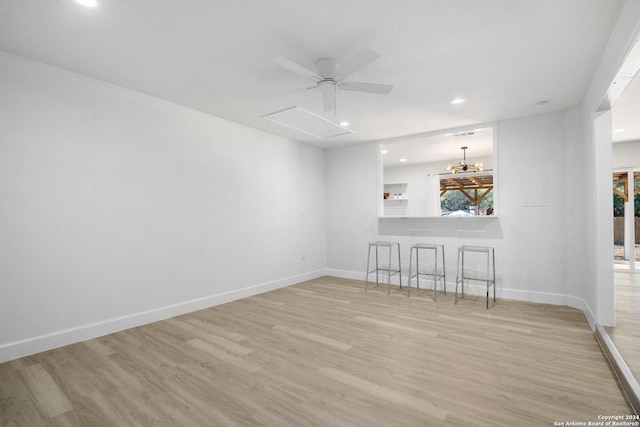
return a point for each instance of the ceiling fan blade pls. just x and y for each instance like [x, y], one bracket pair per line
[296, 68]
[362, 58]
[366, 87]
[329, 100]
[292, 91]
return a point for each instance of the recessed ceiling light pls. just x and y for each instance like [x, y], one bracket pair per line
[457, 101]
[403, 160]
[344, 123]
[88, 3]
[619, 130]
[385, 151]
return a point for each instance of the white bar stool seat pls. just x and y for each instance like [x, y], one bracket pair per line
[488, 275]
[388, 270]
[436, 274]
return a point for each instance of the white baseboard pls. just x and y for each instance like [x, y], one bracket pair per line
[479, 289]
[17, 349]
[626, 379]
[580, 304]
[344, 274]
[26, 347]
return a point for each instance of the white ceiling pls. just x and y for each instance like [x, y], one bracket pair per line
[503, 56]
[439, 148]
[625, 113]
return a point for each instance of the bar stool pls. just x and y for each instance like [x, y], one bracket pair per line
[488, 276]
[390, 272]
[435, 274]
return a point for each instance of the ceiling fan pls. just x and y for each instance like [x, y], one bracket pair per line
[329, 76]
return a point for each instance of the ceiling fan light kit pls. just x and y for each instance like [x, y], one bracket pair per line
[463, 166]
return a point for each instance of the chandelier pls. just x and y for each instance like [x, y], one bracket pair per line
[463, 166]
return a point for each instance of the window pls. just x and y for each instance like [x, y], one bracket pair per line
[466, 196]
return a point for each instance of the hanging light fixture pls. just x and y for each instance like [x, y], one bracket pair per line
[463, 166]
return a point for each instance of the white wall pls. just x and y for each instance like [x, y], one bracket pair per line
[579, 196]
[531, 250]
[596, 199]
[352, 207]
[419, 191]
[117, 209]
[532, 243]
[626, 154]
[533, 150]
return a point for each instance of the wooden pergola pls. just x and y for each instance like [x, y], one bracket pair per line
[469, 185]
[620, 186]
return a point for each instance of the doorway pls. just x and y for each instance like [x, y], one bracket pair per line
[626, 218]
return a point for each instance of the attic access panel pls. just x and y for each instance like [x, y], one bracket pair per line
[306, 122]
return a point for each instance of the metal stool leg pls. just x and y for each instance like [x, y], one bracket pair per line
[399, 266]
[493, 259]
[377, 268]
[366, 280]
[389, 272]
[444, 273]
[462, 283]
[409, 278]
[488, 255]
[435, 275]
[455, 297]
[417, 269]
[459, 261]
[487, 295]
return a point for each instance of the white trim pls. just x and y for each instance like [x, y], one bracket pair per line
[602, 149]
[17, 349]
[345, 274]
[580, 304]
[470, 288]
[628, 381]
[478, 289]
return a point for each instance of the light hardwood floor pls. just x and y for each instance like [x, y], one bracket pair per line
[325, 353]
[626, 334]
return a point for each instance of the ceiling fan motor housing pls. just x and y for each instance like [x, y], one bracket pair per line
[327, 85]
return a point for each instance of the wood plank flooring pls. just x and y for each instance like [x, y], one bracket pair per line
[626, 334]
[325, 353]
